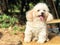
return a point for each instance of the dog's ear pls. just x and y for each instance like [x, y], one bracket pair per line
[29, 15]
[49, 17]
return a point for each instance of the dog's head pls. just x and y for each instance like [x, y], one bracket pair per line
[39, 12]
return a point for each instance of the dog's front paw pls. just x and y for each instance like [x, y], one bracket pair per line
[39, 41]
[27, 40]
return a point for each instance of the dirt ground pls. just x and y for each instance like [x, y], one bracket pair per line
[10, 37]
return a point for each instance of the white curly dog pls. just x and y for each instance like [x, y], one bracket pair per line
[36, 27]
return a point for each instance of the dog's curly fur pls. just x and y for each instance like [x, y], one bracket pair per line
[36, 27]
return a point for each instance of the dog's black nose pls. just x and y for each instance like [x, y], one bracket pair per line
[42, 13]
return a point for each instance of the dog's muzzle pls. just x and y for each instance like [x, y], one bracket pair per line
[41, 16]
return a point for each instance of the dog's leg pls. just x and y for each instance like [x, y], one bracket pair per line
[28, 33]
[42, 36]
[28, 36]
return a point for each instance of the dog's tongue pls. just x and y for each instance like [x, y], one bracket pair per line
[41, 18]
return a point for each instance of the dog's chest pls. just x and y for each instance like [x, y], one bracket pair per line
[37, 26]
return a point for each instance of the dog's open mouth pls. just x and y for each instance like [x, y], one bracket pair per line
[41, 17]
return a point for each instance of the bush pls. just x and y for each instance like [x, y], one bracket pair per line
[6, 21]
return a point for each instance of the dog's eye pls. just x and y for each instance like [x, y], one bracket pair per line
[43, 10]
[38, 10]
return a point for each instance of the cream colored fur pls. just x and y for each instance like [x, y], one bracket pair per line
[35, 28]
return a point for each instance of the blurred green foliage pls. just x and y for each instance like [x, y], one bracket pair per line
[6, 21]
[19, 28]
